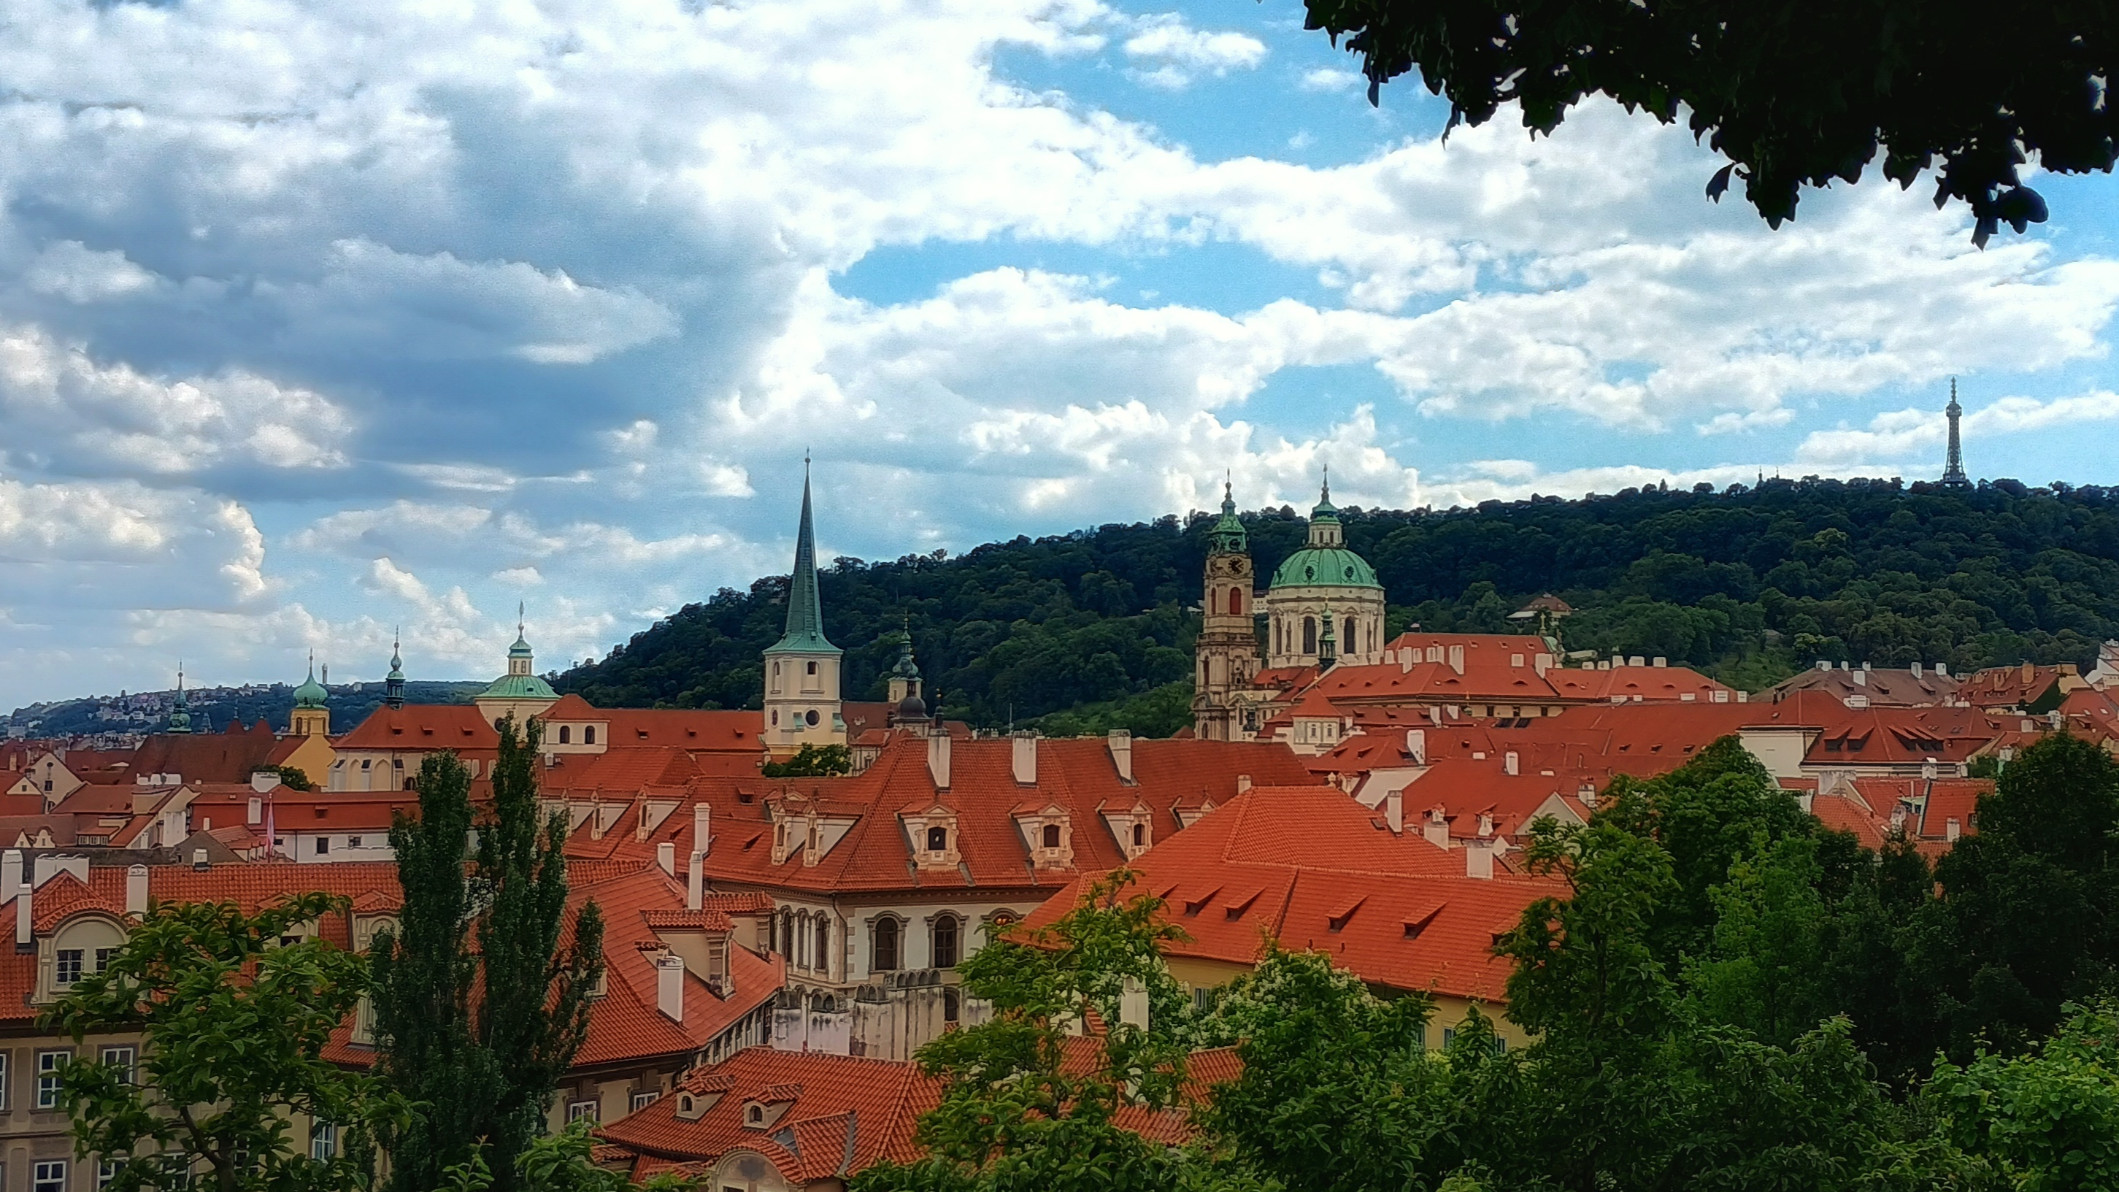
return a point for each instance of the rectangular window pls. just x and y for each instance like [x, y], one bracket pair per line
[353, 842]
[49, 1065]
[1449, 1036]
[323, 845]
[103, 956]
[584, 1111]
[108, 1170]
[643, 1100]
[323, 1141]
[125, 1059]
[68, 969]
[49, 1175]
[6, 1071]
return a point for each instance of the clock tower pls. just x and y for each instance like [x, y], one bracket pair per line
[1226, 652]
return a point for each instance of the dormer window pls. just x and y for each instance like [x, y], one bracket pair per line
[754, 1114]
[938, 840]
[1051, 836]
[1140, 835]
[566, 734]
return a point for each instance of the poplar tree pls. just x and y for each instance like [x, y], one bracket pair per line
[482, 994]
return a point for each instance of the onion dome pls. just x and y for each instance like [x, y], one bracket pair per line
[311, 694]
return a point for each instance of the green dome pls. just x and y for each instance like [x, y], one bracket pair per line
[1325, 567]
[310, 694]
[519, 687]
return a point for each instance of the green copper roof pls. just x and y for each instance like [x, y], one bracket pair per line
[906, 668]
[310, 694]
[518, 687]
[1324, 510]
[180, 712]
[1325, 567]
[805, 610]
[1227, 535]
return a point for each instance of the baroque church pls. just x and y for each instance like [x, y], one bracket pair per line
[1324, 606]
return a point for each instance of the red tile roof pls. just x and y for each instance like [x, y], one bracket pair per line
[1315, 870]
[422, 726]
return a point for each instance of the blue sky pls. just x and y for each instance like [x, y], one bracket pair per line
[321, 321]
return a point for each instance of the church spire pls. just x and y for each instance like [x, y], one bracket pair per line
[180, 712]
[1953, 470]
[394, 682]
[805, 609]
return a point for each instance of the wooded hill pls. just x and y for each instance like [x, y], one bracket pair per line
[1093, 629]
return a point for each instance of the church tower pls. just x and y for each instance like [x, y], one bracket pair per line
[802, 668]
[1226, 652]
[310, 718]
[394, 682]
[180, 712]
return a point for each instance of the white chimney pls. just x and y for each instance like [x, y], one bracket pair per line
[938, 760]
[1416, 745]
[1456, 659]
[1659, 660]
[1121, 743]
[666, 857]
[256, 812]
[1515, 660]
[1825, 665]
[1508, 763]
[1927, 769]
[1478, 860]
[1243, 783]
[669, 987]
[1025, 758]
[695, 881]
[264, 780]
[10, 873]
[1951, 830]
[136, 891]
[1405, 662]
[1436, 828]
[1916, 670]
[702, 822]
[1860, 677]
[1394, 809]
[1941, 671]
[23, 935]
[1543, 663]
[1637, 660]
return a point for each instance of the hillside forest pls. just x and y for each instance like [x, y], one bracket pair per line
[1093, 630]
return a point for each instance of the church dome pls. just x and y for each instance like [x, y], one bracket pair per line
[310, 694]
[1324, 567]
[912, 707]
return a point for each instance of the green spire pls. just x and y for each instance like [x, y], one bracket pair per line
[805, 610]
[310, 694]
[180, 713]
[394, 683]
[1227, 536]
[1324, 509]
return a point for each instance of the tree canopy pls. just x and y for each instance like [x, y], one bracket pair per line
[1093, 630]
[1792, 94]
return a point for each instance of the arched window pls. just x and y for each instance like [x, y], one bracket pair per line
[1052, 836]
[952, 1005]
[945, 941]
[1140, 835]
[884, 956]
[1309, 635]
[1348, 645]
[938, 840]
[823, 959]
[566, 734]
[1235, 602]
[588, 735]
[1213, 602]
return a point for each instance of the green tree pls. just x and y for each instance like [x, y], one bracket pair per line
[812, 761]
[1791, 94]
[2048, 1120]
[1027, 1108]
[234, 1024]
[480, 1009]
[2029, 914]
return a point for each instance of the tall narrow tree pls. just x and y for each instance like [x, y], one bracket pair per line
[482, 994]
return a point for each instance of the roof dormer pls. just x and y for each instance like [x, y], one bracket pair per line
[765, 1110]
[1048, 832]
[933, 835]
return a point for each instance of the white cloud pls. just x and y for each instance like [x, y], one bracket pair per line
[1325, 78]
[1174, 53]
[1898, 436]
[73, 271]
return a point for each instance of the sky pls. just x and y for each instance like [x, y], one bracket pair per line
[323, 322]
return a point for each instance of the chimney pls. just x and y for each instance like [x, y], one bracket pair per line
[1916, 670]
[1659, 660]
[2029, 672]
[1025, 758]
[1243, 783]
[938, 760]
[1478, 860]
[198, 859]
[136, 891]
[1508, 763]
[10, 873]
[1824, 665]
[1927, 769]
[1637, 660]
[669, 987]
[1436, 829]
[24, 941]
[1394, 809]
[666, 857]
[1860, 677]
[1951, 830]
[256, 813]
[1941, 671]
[1121, 743]
[695, 881]
[702, 822]
[1416, 745]
[1456, 659]
[1405, 662]
[1515, 661]
[264, 780]
[1543, 663]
